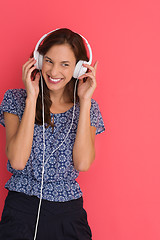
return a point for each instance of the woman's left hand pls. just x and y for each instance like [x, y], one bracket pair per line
[86, 89]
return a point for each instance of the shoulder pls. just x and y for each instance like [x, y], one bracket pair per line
[15, 96]
[96, 117]
[16, 93]
[13, 102]
[15, 99]
[94, 105]
[93, 102]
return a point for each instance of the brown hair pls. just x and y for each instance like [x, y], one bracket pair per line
[58, 37]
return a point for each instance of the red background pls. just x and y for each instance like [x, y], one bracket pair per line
[121, 189]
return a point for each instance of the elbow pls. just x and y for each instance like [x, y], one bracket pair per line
[82, 168]
[19, 168]
[15, 164]
[85, 166]
[15, 159]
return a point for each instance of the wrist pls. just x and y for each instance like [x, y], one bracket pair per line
[85, 103]
[31, 101]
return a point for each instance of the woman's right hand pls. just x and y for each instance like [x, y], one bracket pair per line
[32, 87]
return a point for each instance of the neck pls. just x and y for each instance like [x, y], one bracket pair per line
[60, 97]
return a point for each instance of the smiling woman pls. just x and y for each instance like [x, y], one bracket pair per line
[58, 67]
[67, 46]
[64, 134]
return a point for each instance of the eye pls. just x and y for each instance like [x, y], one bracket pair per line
[65, 64]
[47, 60]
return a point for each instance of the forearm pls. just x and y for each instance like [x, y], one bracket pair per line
[20, 146]
[83, 150]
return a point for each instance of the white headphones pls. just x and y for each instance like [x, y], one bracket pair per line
[79, 68]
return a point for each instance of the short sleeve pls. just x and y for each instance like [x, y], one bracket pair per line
[96, 117]
[8, 104]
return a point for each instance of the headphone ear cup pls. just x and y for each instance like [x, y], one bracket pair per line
[39, 60]
[36, 55]
[79, 69]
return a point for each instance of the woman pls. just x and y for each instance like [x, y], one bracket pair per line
[62, 215]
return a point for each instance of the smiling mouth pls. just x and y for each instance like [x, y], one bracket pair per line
[54, 80]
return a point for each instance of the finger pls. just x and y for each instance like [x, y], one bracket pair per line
[89, 67]
[95, 66]
[28, 67]
[27, 76]
[37, 78]
[28, 64]
[91, 78]
[80, 82]
[89, 74]
[30, 71]
[33, 61]
[82, 76]
[29, 60]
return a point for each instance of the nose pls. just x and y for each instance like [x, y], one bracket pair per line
[54, 70]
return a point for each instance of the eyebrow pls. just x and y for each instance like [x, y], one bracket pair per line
[61, 62]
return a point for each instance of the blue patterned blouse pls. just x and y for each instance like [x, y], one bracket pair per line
[59, 175]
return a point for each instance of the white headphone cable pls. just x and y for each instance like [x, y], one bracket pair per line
[43, 160]
[70, 125]
[54, 149]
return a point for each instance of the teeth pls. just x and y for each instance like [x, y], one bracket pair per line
[55, 79]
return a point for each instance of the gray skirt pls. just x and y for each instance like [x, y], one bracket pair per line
[57, 221]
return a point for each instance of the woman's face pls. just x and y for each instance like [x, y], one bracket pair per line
[58, 66]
